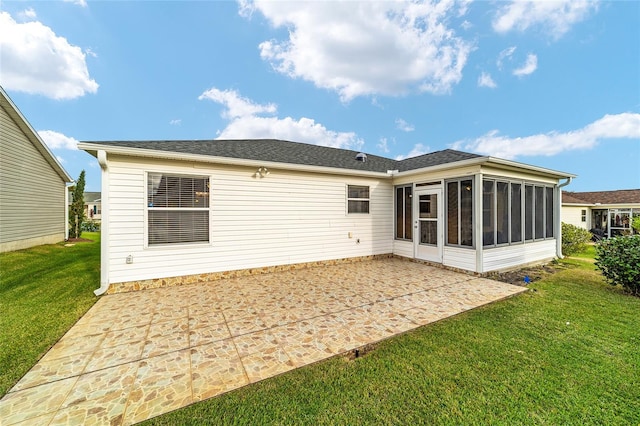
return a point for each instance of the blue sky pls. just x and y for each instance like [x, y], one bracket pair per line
[554, 84]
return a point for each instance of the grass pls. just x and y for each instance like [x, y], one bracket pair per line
[43, 291]
[564, 353]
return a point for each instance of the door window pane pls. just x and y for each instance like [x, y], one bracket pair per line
[429, 232]
[428, 206]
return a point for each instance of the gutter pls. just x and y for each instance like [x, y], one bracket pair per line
[101, 155]
[557, 214]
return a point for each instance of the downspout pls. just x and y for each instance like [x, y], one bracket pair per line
[104, 226]
[557, 214]
[66, 208]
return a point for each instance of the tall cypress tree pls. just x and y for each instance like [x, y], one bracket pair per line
[76, 212]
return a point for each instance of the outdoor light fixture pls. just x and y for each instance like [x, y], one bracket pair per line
[262, 172]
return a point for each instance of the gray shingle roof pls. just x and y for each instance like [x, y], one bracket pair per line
[280, 151]
[621, 196]
[92, 197]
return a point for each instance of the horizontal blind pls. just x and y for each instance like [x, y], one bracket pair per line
[178, 209]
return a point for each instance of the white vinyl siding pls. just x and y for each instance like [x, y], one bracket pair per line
[572, 215]
[459, 257]
[285, 218]
[512, 256]
[32, 196]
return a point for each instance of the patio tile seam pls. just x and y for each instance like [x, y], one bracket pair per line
[244, 368]
[123, 416]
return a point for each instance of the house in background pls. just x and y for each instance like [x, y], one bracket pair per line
[604, 213]
[189, 211]
[33, 194]
[93, 206]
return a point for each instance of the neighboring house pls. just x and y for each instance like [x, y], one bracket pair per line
[33, 204]
[605, 213]
[188, 211]
[92, 206]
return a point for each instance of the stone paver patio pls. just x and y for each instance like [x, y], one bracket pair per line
[137, 355]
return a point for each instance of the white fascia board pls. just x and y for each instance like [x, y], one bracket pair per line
[199, 158]
[445, 166]
[504, 164]
[515, 165]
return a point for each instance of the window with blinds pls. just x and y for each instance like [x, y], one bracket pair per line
[177, 209]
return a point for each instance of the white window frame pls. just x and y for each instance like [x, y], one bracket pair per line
[147, 208]
[367, 200]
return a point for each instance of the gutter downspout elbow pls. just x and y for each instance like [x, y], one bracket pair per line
[558, 213]
[104, 226]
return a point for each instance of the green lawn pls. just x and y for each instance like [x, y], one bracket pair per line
[564, 353]
[43, 292]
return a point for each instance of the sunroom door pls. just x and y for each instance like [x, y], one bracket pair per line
[427, 227]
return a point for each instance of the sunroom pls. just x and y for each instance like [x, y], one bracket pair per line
[489, 217]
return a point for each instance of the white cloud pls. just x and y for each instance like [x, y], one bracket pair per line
[302, 130]
[82, 3]
[245, 123]
[236, 105]
[366, 48]
[530, 65]
[485, 80]
[553, 17]
[27, 14]
[35, 60]
[466, 25]
[56, 140]
[383, 145]
[617, 126]
[60, 159]
[175, 122]
[404, 126]
[418, 149]
[505, 54]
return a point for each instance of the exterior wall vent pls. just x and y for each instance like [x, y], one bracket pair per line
[361, 156]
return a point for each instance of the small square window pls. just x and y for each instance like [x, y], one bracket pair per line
[357, 199]
[584, 215]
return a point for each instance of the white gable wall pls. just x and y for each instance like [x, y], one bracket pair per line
[284, 218]
[573, 216]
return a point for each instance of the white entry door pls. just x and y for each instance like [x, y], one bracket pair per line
[427, 224]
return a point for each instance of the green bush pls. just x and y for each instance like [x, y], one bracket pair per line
[574, 239]
[619, 260]
[91, 226]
